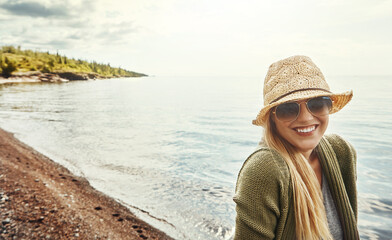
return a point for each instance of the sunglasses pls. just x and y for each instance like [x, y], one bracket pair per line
[288, 112]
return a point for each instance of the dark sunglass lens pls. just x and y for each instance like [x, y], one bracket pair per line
[287, 111]
[320, 106]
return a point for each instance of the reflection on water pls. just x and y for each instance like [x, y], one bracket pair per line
[171, 148]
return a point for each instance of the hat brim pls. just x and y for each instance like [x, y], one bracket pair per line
[339, 101]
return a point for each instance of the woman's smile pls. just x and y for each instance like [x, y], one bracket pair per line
[306, 131]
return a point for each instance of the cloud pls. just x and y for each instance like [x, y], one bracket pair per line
[35, 9]
[66, 9]
[70, 24]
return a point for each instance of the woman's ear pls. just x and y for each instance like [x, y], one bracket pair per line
[272, 117]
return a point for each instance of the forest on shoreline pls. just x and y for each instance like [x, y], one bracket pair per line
[15, 61]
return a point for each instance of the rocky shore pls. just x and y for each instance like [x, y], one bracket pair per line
[40, 199]
[38, 76]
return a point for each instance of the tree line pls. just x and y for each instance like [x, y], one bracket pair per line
[14, 59]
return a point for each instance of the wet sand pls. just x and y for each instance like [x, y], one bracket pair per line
[40, 199]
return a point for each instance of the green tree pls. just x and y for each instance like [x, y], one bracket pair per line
[9, 49]
[7, 66]
[47, 68]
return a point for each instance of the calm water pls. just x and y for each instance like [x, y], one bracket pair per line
[171, 148]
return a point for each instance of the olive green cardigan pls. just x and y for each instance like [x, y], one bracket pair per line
[264, 194]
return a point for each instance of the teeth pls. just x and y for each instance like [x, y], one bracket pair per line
[305, 130]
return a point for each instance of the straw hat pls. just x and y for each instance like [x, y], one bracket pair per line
[293, 79]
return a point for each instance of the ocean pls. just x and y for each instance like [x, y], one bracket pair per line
[170, 148]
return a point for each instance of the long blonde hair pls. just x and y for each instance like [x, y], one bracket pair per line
[310, 217]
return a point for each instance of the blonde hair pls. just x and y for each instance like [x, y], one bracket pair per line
[310, 217]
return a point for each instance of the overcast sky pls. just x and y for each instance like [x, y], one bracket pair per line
[207, 37]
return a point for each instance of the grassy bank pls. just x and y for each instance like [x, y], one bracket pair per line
[14, 60]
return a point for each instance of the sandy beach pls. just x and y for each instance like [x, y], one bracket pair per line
[40, 199]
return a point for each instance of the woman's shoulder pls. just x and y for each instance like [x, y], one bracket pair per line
[263, 173]
[268, 158]
[341, 146]
[265, 163]
[345, 155]
[335, 139]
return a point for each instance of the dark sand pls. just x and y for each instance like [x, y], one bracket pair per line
[40, 199]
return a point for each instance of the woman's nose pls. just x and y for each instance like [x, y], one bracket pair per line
[304, 114]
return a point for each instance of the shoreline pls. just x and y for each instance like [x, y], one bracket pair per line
[52, 77]
[40, 199]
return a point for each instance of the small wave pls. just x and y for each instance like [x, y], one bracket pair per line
[375, 234]
[121, 169]
[216, 229]
[380, 207]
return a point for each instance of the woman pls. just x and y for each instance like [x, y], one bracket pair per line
[299, 184]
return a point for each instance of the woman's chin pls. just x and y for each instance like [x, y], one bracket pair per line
[306, 146]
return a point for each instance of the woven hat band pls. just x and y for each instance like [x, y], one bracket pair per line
[298, 90]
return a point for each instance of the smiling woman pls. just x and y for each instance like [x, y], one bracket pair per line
[292, 187]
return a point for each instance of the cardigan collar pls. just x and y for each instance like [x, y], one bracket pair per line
[331, 170]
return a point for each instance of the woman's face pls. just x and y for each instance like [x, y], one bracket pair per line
[305, 132]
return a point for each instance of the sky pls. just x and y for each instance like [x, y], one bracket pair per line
[206, 37]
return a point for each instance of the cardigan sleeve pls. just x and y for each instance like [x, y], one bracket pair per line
[258, 192]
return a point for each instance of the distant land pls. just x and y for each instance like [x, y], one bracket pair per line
[18, 65]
